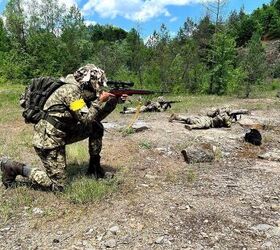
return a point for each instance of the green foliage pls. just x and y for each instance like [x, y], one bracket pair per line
[53, 40]
[85, 190]
[254, 64]
[145, 145]
[222, 58]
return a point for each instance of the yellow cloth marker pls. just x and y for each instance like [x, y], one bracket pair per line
[77, 105]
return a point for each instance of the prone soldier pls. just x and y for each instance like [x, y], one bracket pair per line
[150, 106]
[216, 118]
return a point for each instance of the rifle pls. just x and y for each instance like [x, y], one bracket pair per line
[234, 113]
[119, 88]
[162, 103]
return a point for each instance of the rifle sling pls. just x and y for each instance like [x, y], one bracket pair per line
[56, 123]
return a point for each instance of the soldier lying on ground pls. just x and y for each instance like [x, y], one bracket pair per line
[149, 106]
[72, 119]
[216, 118]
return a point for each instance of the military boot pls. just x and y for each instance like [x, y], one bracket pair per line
[95, 168]
[10, 169]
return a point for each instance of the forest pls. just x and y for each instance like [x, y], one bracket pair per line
[217, 55]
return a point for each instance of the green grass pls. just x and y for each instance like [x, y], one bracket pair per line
[127, 131]
[14, 201]
[86, 190]
[145, 145]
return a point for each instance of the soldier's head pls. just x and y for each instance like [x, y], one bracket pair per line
[160, 99]
[91, 75]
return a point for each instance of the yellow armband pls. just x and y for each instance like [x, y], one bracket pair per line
[77, 105]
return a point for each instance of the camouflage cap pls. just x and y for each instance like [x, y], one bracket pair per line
[91, 73]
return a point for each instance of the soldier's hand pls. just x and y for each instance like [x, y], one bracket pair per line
[104, 96]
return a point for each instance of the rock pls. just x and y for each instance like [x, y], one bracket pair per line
[159, 240]
[251, 123]
[5, 229]
[89, 231]
[198, 154]
[275, 207]
[114, 230]
[111, 125]
[262, 227]
[274, 232]
[204, 235]
[184, 207]
[267, 245]
[37, 210]
[111, 243]
[55, 241]
[140, 126]
[271, 155]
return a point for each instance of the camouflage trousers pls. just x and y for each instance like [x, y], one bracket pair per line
[54, 160]
[196, 121]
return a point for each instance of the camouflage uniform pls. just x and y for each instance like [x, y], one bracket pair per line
[214, 119]
[81, 120]
[149, 106]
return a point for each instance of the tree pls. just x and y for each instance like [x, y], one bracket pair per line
[202, 36]
[15, 23]
[222, 60]
[254, 64]
[4, 40]
[73, 37]
[161, 57]
[136, 54]
[216, 8]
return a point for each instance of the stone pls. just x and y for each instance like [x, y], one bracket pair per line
[114, 230]
[274, 232]
[262, 227]
[159, 240]
[251, 123]
[37, 210]
[111, 243]
[267, 245]
[198, 154]
[271, 155]
[275, 207]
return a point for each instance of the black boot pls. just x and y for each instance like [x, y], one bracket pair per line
[10, 170]
[95, 168]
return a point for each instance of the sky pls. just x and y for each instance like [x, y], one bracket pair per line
[148, 15]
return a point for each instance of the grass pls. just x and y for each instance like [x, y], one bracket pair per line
[86, 190]
[127, 131]
[11, 203]
[145, 145]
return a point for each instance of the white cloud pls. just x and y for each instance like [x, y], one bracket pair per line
[135, 10]
[68, 3]
[173, 19]
[90, 22]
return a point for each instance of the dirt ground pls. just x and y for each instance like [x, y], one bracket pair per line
[163, 202]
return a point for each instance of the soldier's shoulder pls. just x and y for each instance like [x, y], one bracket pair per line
[69, 87]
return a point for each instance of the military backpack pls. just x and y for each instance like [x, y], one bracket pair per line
[35, 97]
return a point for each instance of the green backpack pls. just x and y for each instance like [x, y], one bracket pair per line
[35, 97]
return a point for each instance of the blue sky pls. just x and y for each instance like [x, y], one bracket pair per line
[148, 15]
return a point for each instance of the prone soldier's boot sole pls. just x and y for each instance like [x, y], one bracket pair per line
[10, 170]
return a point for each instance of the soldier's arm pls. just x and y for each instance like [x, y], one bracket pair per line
[74, 100]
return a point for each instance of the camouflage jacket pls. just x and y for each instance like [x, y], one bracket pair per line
[67, 104]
